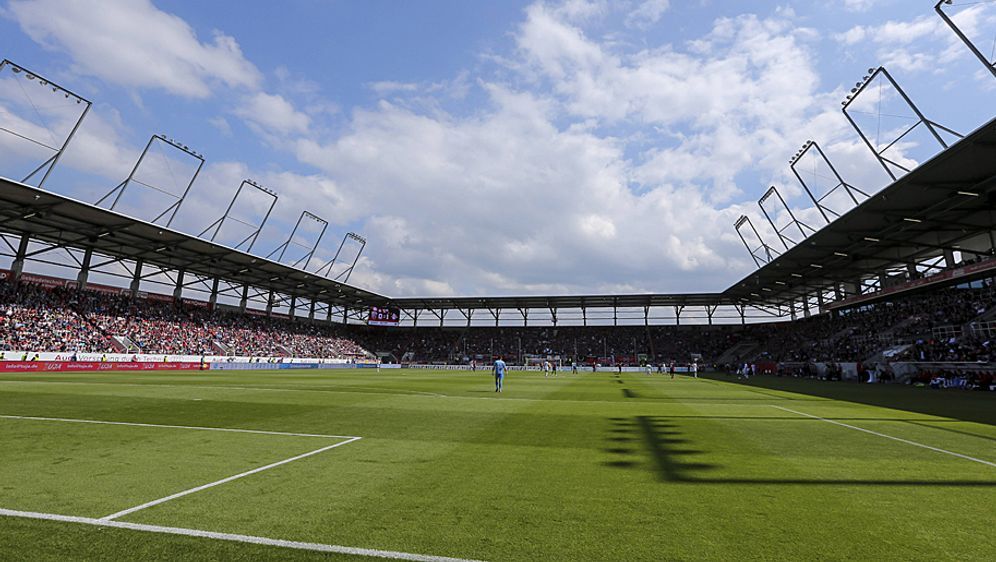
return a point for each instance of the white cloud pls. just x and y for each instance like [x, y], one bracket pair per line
[728, 93]
[222, 125]
[858, 5]
[923, 43]
[271, 113]
[390, 87]
[507, 201]
[582, 10]
[132, 43]
[597, 226]
[647, 13]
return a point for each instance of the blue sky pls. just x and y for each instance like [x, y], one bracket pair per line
[491, 147]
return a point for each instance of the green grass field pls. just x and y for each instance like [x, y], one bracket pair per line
[580, 467]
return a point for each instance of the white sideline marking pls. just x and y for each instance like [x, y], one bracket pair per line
[226, 429]
[250, 539]
[901, 440]
[146, 505]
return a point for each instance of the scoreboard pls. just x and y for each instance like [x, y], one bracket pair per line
[384, 316]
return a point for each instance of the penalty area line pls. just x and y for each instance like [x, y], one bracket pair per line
[152, 503]
[248, 539]
[900, 439]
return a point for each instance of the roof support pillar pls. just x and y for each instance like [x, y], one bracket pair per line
[311, 311]
[553, 315]
[136, 280]
[584, 316]
[949, 261]
[269, 304]
[17, 267]
[646, 316]
[525, 316]
[213, 299]
[293, 308]
[852, 288]
[441, 315]
[677, 314]
[84, 274]
[178, 289]
[345, 314]
[245, 299]
[911, 271]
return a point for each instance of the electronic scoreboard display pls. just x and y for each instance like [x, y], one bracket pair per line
[384, 316]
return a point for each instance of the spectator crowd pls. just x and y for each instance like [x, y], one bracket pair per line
[35, 318]
[946, 325]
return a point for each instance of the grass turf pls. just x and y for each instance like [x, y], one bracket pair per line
[579, 467]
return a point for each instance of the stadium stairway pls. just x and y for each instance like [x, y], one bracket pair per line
[738, 352]
[124, 345]
[887, 354]
[220, 348]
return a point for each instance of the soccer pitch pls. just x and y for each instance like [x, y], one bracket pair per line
[423, 465]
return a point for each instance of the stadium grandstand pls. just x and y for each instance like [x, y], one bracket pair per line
[836, 402]
[923, 245]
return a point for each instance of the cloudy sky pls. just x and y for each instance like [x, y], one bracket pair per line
[486, 147]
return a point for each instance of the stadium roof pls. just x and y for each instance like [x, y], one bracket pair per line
[948, 203]
[62, 221]
[578, 301]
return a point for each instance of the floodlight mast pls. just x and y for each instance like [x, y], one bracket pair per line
[251, 238]
[794, 221]
[349, 270]
[174, 207]
[848, 188]
[859, 88]
[764, 258]
[311, 251]
[49, 164]
[989, 64]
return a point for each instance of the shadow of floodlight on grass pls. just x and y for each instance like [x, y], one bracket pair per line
[658, 444]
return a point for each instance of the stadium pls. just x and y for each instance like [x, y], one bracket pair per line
[170, 392]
